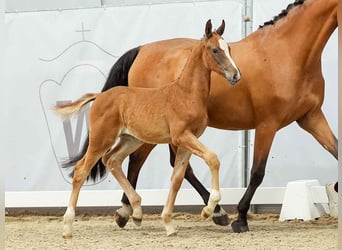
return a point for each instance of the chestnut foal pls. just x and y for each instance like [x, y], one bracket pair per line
[174, 114]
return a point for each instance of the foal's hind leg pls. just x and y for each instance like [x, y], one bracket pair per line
[113, 160]
[136, 161]
[220, 216]
[81, 172]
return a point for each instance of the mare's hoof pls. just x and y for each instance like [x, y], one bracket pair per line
[239, 227]
[137, 221]
[120, 220]
[221, 219]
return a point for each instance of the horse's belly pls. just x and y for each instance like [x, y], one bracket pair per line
[151, 134]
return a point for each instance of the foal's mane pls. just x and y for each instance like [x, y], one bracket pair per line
[283, 13]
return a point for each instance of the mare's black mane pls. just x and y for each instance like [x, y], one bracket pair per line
[283, 13]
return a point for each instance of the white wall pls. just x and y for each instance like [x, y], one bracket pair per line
[50, 59]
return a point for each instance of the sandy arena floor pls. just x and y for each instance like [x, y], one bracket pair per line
[101, 232]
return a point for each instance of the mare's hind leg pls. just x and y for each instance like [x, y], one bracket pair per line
[136, 161]
[316, 124]
[113, 160]
[220, 216]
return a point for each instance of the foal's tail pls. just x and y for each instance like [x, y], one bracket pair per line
[118, 76]
[68, 109]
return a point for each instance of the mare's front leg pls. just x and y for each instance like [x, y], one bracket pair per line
[220, 216]
[262, 144]
[113, 160]
[135, 163]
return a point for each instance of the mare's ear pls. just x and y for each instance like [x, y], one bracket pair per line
[208, 28]
[220, 29]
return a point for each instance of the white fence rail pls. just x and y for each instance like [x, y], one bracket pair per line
[103, 198]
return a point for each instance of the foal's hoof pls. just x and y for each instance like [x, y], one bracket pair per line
[171, 230]
[67, 236]
[174, 233]
[137, 221]
[206, 213]
[120, 220]
[221, 219]
[240, 227]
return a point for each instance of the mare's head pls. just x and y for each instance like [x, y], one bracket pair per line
[216, 55]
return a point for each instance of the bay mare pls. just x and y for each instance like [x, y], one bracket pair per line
[122, 119]
[281, 83]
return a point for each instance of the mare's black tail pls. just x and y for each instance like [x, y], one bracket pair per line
[118, 76]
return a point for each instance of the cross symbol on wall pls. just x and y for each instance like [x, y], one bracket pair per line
[83, 31]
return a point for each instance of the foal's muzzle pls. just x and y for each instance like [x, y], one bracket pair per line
[233, 79]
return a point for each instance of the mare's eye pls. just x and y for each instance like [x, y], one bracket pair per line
[215, 50]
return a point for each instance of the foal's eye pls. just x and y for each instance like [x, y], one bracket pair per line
[215, 50]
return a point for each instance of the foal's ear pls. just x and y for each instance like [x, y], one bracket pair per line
[208, 28]
[220, 29]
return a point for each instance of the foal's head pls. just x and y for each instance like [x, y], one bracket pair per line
[216, 54]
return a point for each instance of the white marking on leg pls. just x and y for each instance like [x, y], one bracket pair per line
[215, 195]
[137, 215]
[69, 217]
[137, 212]
[220, 213]
[214, 199]
[126, 210]
[169, 227]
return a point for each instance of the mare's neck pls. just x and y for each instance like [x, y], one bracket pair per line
[195, 78]
[305, 30]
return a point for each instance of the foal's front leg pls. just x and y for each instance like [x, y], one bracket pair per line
[182, 159]
[220, 216]
[191, 143]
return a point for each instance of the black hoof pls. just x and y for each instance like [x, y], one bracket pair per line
[240, 227]
[120, 220]
[222, 220]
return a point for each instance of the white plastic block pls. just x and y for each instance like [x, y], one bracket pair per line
[299, 202]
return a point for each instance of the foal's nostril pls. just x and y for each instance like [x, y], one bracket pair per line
[236, 77]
